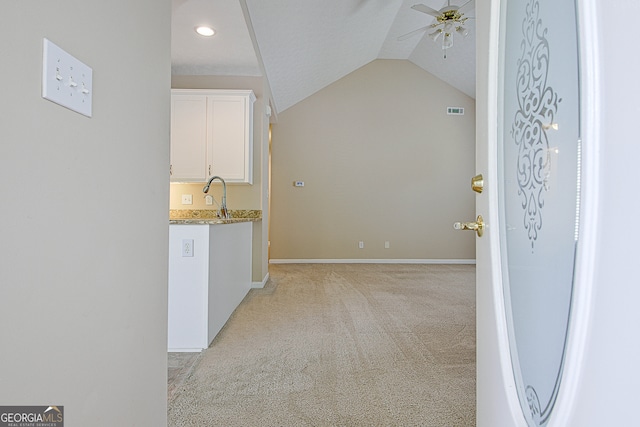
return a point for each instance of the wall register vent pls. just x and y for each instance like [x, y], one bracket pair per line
[455, 111]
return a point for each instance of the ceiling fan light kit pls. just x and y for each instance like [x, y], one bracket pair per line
[434, 36]
[462, 31]
[448, 19]
[447, 41]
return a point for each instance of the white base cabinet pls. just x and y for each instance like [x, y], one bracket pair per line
[205, 289]
[212, 134]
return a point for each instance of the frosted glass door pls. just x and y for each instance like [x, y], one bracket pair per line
[539, 167]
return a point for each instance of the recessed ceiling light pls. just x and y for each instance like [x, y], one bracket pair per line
[205, 31]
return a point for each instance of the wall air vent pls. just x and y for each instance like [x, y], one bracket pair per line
[455, 111]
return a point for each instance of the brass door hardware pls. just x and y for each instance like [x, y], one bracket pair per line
[477, 183]
[477, 226]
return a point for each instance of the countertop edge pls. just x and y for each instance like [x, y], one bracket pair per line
[211, 221]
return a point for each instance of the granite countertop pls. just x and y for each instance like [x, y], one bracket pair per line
[201, 221]
[209, 216]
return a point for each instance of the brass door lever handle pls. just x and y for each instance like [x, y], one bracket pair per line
[477, 226]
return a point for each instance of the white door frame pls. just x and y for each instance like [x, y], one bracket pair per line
[496, 397]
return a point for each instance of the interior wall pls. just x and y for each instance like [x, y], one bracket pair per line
[84, 244]
[239, 196]
[381, 161]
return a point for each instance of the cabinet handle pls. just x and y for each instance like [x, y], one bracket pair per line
[209, 169]
[170, 170]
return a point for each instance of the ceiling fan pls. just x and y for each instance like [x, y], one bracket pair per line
[448, 19]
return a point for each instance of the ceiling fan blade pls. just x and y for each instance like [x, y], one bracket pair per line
[425, 9]
[412, 33]
[466, 7]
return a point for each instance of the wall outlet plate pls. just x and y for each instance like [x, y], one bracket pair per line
[187, 247]
[65, 80]
[187, 199]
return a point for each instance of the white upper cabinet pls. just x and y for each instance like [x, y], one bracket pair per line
[188, 138]
[212, 134]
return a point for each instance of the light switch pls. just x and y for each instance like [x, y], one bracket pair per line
[65, 80]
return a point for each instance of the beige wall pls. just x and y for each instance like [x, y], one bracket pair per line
[381, 161]
[83, 265]
[239, 196]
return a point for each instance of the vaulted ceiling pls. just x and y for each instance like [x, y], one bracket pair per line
[302, 46]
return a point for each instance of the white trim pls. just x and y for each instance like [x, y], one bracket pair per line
[496, 397]
[260, 285]
[372, 261]
[580, 320]
[238, 92]
[501, 304]
[185, 350]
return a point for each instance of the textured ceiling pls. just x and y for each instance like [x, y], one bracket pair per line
[305, 45]
[229, 52]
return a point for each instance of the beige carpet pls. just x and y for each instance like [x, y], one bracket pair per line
[341, 345]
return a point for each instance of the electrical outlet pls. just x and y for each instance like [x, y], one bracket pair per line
[187, 199]
[298, 183]
[187, 247]
[361, 244]
[208, 199]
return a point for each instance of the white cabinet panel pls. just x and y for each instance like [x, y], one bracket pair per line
[230, 151]
[189, 137]
[206, 288]
[229, 272]
[212, 134]
[188, 289]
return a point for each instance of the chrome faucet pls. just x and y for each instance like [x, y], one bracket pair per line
[223, 212]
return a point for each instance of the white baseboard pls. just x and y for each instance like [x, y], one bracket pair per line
[372, 261]
[184, 350]
[260, 285]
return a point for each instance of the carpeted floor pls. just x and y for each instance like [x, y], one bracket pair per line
[341, 345]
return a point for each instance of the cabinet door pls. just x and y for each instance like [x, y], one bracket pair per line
[230, 137]
[188, 138]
